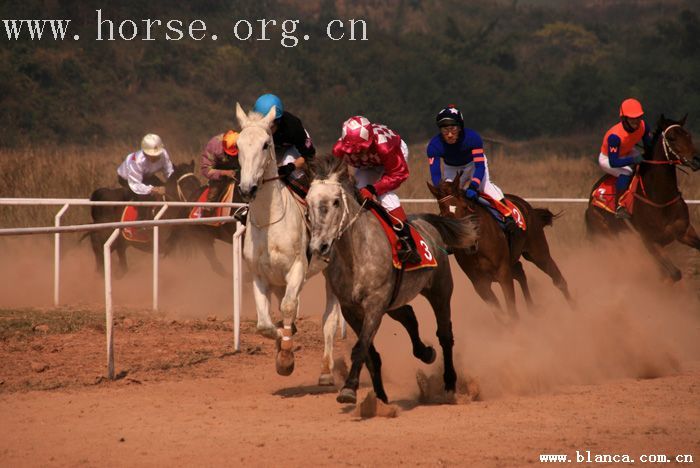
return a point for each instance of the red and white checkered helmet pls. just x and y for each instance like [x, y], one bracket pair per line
[357, 134]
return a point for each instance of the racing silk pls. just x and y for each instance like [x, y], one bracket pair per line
[618, 143]
[213, 159]
[468, 148]
[290, 132]
[137, 166]
[384, 151]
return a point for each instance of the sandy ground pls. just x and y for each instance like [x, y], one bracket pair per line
[618, 375]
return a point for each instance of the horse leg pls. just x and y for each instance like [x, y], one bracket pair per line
[406, 317]
[97, 240]
[121, 253]
[365, 328]
[521, 278]
[374, 365]
[440, 302]
[261, 294]
[289, 306]
[538, 253]
[504, 276]
[207, 243]
[330, 324]
[664, 263]
[690, 237]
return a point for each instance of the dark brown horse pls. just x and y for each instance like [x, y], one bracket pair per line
[660, 213]
[183, 185]
[494, 260]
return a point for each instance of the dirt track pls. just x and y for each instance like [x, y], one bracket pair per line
[620, 375]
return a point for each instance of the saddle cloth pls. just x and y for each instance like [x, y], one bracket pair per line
[603, 195]
[134, 234]
[427, 258]
[199, 211]
[507, 209]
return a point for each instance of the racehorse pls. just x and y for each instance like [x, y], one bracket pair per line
[276, 242]
[660, 214]
[361, 273]
[496, 259]
[182, 185]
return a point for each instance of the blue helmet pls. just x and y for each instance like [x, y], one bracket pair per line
[265, 103]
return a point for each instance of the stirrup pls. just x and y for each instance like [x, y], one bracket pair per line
[407, 254]
[622, 213]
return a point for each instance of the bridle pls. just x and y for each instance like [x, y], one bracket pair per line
[346, 211]
[180, 194]
[668, 149]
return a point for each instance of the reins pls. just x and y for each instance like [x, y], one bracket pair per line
[667, 149]
[346, 210]
[179, 190]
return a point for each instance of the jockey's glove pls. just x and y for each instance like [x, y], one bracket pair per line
[472, 191]
[368, 192]
[284, 171]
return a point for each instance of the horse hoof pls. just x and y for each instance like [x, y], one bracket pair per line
[267, 332]
[429, 355]
[326, 380]
[284, 363]
[347, 395]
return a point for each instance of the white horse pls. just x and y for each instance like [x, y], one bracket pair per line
[276, 242]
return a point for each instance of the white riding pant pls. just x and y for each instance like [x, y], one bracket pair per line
[369, 175]
[487, 187]
[604, 163]
[289, 156]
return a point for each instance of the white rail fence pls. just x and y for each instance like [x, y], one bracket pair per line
[66, 203]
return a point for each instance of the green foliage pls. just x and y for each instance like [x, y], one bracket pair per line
[519, 69]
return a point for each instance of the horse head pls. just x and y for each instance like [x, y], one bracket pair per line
[450, 197]
[677, 143]
[329, 203]
[256, 150]
[183, 184]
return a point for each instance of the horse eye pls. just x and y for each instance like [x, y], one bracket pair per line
[336, 203]
[266, 146]
[672, 137]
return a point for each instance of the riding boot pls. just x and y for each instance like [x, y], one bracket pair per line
[407, 251]
[621, 185]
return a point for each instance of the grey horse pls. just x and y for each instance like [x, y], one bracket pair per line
[361, 274]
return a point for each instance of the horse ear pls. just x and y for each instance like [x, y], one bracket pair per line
[456, 183]
[240, 115]
[191, 165]
[432, 189]
[685, 117]
[270, 116]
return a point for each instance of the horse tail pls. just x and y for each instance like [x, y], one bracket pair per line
[457, 233]
[545, 216]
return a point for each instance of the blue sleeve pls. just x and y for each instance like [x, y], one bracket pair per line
[646, 139]
[614, 153]
[434, 154]
[476, 147]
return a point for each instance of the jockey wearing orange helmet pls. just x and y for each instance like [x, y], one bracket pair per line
[380, 158]
[219, 163]
[618, 154]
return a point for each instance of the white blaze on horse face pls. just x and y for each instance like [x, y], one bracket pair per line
[325, 214]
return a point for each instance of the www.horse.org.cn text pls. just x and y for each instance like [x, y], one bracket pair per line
[148, 29]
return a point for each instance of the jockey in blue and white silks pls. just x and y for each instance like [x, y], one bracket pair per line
[461, 149]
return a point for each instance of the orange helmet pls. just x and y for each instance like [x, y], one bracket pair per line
[631, 108]
[229, 143]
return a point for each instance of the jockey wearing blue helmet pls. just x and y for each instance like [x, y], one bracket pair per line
[293, 145]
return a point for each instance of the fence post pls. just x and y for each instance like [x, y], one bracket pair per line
[57, 256]
[237, 241]
[156, 234]
[107, 252]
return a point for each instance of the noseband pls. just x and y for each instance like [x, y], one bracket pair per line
[346, 210]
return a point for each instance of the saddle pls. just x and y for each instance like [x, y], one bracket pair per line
[198, 212]
[604, 194]
[427, 257]
[502, 210]
[299, 186]
[134, 234]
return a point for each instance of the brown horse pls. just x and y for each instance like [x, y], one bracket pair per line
[660, 213]
[182, 185]
[494, 259]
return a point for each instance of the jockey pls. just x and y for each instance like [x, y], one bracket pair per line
[618, 154]
[462, 149]
[137, 173]
[219, 164]
[293, 145]
[380, 157]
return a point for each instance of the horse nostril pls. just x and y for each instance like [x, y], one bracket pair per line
[253, 190]
[324, 248]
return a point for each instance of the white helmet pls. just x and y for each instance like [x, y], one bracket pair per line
[152, 145]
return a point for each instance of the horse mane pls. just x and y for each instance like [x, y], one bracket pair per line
[327, 167]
